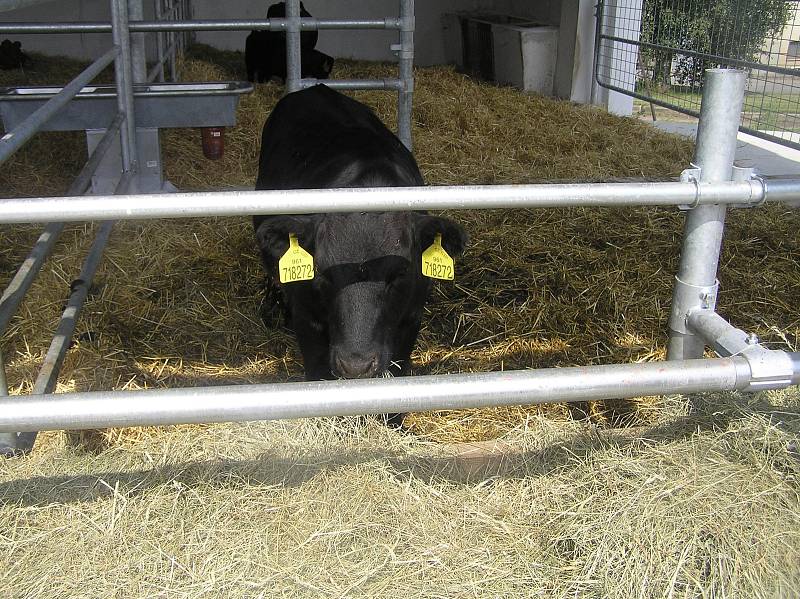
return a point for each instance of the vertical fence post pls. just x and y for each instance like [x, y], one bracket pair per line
[8, 441]
[159, 39]
[406, 93]
[696, 283]
[138, 61]
[169, 11]
[124, 79]
[293, 70]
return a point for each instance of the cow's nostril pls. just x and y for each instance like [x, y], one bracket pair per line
[356, 365]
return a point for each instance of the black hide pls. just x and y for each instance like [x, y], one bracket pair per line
[265, 51]
[11, 55]
[360, 315]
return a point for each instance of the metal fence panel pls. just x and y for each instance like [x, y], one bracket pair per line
[658, 50]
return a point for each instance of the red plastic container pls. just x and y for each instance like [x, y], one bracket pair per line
[213, 142]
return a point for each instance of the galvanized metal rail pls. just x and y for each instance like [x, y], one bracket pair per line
[278, 24]
[300, 201]
[374, 396]
[16, 138]
[292, 25]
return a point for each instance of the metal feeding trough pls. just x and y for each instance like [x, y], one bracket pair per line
[156, 105]
[209, 106]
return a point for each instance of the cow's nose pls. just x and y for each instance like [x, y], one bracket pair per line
[356, 365]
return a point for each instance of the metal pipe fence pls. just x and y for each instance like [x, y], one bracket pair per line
[696, 280]
[275, 24]
[305, 201]
[704, 192]
[123, 76]
[15, 139]
[123, 126]
[170, 20]
[22, 280]
[659, 50]
[372, 396]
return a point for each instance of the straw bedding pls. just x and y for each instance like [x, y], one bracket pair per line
[649, 497]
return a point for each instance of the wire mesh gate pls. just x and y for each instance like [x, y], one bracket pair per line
[658, 51]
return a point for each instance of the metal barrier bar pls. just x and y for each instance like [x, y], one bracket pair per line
[14, 140]
[172, 38]
[48, 375]
[405, 94]
[159, 67]
[27, 272]
[293, 59]
[696, 282]
[123, 75]
[46, 381]
[19, 285]
[138, 62]
[381, 84]
[713, 58]
[302, 201]
[306, 24]
[768, 369]
[22, 280]
[724, 338]
[368, 396]
[8, 440]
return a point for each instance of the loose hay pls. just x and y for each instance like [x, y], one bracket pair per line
[702, 505]
[181, 302]
[700, 502]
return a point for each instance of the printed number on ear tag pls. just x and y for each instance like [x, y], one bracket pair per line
[296, 264]
[436, 262]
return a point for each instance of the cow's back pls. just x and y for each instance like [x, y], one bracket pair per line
[319, 138]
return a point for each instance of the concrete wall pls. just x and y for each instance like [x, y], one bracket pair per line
[85, 46]
[366, 45]
[369, 45]
[575, 19]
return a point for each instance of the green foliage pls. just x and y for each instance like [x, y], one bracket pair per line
[716, 29]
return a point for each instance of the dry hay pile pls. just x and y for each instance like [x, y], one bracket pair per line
[699, 502]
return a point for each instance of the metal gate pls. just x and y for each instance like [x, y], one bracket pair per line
[704, 192]
[659, 50]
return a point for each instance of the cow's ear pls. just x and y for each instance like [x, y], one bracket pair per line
[273, 233]
[454, 237]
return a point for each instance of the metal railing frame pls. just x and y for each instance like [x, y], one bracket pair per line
[722, 60]
[292, 25]
[704, 192]
[122, 127]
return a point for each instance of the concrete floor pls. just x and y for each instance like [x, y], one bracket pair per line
[767, 157]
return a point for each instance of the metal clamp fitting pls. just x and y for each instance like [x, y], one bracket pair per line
[769, 368]
[688, 297]
[744, 174]
[691, 175]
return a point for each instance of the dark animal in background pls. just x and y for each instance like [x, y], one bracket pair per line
[360, 314]
[265, 51]
[11, 55]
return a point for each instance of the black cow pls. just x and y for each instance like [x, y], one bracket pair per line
[360, 314]
[11, 55]
[265, 51]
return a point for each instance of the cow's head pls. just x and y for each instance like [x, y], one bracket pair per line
[368, 287]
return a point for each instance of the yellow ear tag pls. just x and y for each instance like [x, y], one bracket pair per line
[296, 264]
[436, 262]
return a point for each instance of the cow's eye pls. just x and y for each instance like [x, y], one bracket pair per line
[322, 282]
[397, 275]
